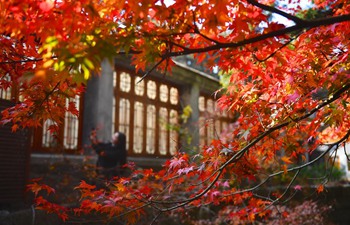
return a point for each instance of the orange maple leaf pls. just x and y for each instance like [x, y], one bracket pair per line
[84, 185]
[320, 188]
[286, 159]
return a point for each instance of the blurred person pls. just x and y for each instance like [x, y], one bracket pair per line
[112, 155]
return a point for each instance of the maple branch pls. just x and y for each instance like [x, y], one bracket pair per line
[21, 61]
[278, 49]
[296, 168]
[129, 52]
[295, 19]
[305, 25]
[332, 166]
[331, 99]
[287, 189]
[132, 210]
[178, 45]
[196, 30]
[197, 196]
[150, 70]
[156, 217]
[273, 202]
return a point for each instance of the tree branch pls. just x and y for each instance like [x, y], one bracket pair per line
[295, 19]
[150, 71]
[241, 152]
[296, 168]
[21, 61]
[199, 195]
[304, 25]
[331, 99]
[274, 53]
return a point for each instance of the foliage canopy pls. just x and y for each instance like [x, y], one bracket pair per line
[289, 85]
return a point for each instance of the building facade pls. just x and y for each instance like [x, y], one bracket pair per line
[147, 110]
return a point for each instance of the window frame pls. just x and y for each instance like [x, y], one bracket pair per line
[157, 103]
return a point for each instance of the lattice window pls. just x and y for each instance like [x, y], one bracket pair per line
[164, 93]
[174, 96]
[49, 139]
[174, 136]
[71, 127]
[138, 127]
[145, 114]
[151, 89]
[151, 129]
[125, 82]
[139, 86]
[163, 134]
[212, 121]
[124, 118]
[5, 89]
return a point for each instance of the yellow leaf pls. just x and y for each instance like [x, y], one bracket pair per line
[48, 63]
[286, 160]
[86, 72]
[59, 66]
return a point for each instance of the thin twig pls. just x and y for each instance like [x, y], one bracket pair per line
[296, 168]
[150, 71]
[277, 50]
[295, 19]
[155, 218]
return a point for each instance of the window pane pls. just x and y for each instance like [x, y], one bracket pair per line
[138, 127]
[48, 139]
[151, 129]
[71, 127]
[210, 105]
[217, 126]
[201, 104]
[125, 82]
[124, 118]
[224, 126]
[174, 137]
[174, 96]
[139, 86]
[217, 109]
[163, 135]
[151, 89]
[5, 89]
[163, 93]
[202, 139]
[210, 130]
[114, 79]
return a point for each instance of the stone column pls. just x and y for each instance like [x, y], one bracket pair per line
[98, 105]
[189, 96]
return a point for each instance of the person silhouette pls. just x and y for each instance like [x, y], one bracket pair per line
[112, 156]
